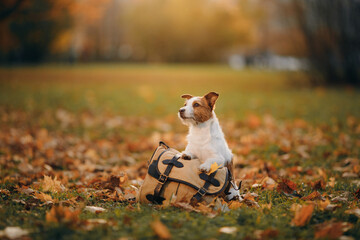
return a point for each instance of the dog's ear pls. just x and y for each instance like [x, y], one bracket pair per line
[211, 98]
[187, 96]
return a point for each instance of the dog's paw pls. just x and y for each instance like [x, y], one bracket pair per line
[205, 167]
[185, 156]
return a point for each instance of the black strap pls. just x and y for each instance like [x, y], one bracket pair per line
[164, 144]
[203, 190]
[163, 178]
[212, 180]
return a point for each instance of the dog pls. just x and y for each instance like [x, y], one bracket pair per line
[206, 140]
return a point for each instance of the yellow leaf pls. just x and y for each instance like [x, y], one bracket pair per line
[214, 167]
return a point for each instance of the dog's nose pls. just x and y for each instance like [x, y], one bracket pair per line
[181, 110]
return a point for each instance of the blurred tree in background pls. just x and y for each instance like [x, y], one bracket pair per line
[332, 32]
[187, 30]
[325, 32]
[27, 35]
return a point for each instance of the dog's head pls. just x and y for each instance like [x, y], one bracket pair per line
[197, 109]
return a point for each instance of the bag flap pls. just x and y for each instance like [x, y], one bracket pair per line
[186, 171]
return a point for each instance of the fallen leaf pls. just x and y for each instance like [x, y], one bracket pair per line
[25, 190]
[51, 185]
[43, 197]
[286, 186]
[350, 175]
[319, 184]
[160, 229]
[357, 194]
[331, 230]
[339, 199]
[269, 233]
[235, 205]
[331, 207]
[60, 214]
[214, 167]
[331, 182]
[303, 215]
[13, 233]
[312, 196]
[94, 209]
[355, 212]
[203, 208]
[228, 230]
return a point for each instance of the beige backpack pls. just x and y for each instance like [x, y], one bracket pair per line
[168, 175]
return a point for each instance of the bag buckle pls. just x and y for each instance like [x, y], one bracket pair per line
[202, 191]
[163, 178]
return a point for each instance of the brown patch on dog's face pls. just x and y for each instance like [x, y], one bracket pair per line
[202, 110]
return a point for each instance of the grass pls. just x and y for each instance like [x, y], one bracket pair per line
[144, 95]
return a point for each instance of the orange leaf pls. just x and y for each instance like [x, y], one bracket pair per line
[312, 196]
[303, 215]
[235, 205]
[60, 214]
[319, 184]
[331, 230]
[203, 208]
[286, 186]
[160, 229]
[43, 197]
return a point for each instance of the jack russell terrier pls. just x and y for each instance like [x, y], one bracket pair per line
[206, 140]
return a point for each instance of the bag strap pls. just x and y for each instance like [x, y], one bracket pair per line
[156, 198]
[209, 180]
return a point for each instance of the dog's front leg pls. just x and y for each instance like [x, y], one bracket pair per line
[186, 155]
[205, 167]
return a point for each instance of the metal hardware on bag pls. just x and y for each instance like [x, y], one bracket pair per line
[162, 179]
[202, 191]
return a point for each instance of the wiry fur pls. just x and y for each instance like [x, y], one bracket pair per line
[206, 139]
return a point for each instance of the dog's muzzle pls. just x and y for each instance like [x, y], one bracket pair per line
[182, 113]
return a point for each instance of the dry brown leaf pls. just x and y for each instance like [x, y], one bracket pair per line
[357, 194]
[43, 197]
[268, 183]
[319, 184]
[303, 215]
[51, 185]
[160, 229]
[269, 233]
[286, 186]
[331, 182]
[313, 196]
[94, 209]
[235, 205]
[331, 230]
[60, 214]
[323, 204]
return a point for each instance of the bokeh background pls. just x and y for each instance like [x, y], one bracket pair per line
[317, 36]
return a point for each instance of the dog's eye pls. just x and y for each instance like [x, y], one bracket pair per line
[196, 105]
